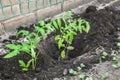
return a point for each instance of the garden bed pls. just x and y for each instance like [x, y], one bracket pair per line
[103, 36]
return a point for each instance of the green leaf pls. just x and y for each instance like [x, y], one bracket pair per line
[104, 54]
[42, 23]
[116, 65]
[25, 47]
[73, 72]
[63, 54]
[73, 32]
[28, 63]
[82, 76]
[22, 63]
[12, 54]
[82, 65]
[79, 68]
[65, 36]
[57, 37]
[13, 46]
[74, 25]
[55, 24]
[80, 25]
[86, 28]
[59, 22]
[41, 31]
[36, 39]
[105, 75]
[89, 78]
[23, 32]
[70, 48]
[33, 54]
[118, 44]
[49, 27]
[64, 22]
[60, 43]
[25, 69]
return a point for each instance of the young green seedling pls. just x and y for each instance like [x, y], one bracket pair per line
[103, 56]
[68, 32]
[81, 66]
[104, 75]
[117, 65]
[118, 44]
[29, 48]
[73, 72]
[114, 56]
[82, 77]
[89, 78]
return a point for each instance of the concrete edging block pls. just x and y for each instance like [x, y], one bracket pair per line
[2, 31]
[11, 24]
[48, 12]
[68, 5]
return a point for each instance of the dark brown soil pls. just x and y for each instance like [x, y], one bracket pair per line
[104, 25]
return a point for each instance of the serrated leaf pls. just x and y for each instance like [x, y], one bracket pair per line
[25, 47]
[23, 32]
[63, 54]
[41, 31]
[12, 54]
[49, 27]
[13, 46]
[70, 48]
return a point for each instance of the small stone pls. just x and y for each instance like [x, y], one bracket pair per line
[65, 72]
[35, 79]
[56, 79]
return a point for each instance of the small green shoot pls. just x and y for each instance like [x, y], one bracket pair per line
[103, 56]
[67, 33]
[118, 44]
[73, 72]
[104, 75]
[81, 66]
[82, 77]
[89, 78]
[117, 65]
